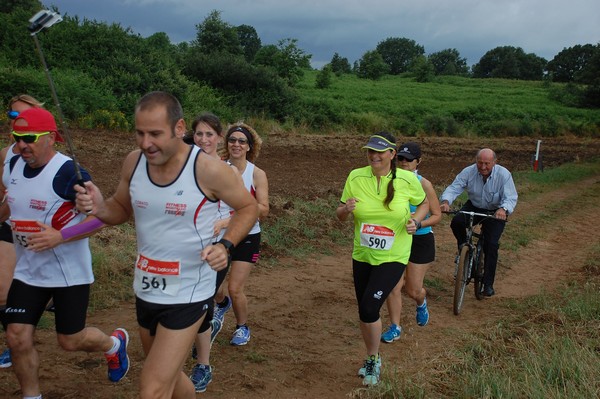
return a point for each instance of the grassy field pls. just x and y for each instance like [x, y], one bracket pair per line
[450, 105]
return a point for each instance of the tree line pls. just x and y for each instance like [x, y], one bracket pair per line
[101, 69]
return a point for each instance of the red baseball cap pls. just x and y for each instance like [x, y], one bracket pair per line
[37, 120]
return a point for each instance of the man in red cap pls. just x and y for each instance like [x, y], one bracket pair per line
[53, 256]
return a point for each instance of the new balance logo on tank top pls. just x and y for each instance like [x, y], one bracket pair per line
[34, 199]
[174, 223]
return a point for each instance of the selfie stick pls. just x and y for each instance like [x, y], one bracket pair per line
[41, 20]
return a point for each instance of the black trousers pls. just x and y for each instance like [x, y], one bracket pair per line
[492, 230]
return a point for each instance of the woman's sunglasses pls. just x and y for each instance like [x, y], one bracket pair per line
[28, 138]
[12, 114]
[234, 140]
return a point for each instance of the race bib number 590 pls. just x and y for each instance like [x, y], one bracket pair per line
[157, 275]
[376, 237]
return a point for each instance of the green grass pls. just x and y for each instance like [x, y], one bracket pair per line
[449, 105]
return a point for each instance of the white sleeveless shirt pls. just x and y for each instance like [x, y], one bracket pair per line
[174, 223]
[33, 199]
[248, 177]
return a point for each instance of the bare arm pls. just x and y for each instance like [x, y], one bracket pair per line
[115, 210]
[344, 210]
[262, 192]
[435, 213]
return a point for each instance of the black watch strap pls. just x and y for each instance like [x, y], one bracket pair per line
[227, 244]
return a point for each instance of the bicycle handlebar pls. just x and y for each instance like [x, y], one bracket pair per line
[471, 213]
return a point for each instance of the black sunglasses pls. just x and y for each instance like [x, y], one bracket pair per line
[233, 140]
[401, 158]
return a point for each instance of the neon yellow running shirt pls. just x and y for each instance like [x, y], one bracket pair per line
[379, 233]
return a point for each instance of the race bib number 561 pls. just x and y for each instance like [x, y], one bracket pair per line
[376, 237]
[152, 275]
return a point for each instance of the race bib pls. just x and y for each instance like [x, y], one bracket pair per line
[376, 237]
[22, 229]
[153, 275]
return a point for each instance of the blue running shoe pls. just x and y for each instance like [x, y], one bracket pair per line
[216, 326]
[201, 377]
[220, 311]
[422, 314]
[118, 362]
[363, 370]
[392, 334]
[5, 359]
[241, 336]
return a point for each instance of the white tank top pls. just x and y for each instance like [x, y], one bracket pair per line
[34, 199]
[6, 169]
[174, 223]
[248, 177]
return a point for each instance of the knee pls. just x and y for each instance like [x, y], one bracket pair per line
[70, 343]
[18, 339]
[235, 290]
[368, 314]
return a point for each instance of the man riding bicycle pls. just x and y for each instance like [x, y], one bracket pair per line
[490, 187]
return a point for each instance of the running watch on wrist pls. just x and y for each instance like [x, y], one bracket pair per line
[227, 244]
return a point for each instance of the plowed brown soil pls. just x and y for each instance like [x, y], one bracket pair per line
[305, 337]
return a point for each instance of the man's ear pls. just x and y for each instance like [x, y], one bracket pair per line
[180, 128]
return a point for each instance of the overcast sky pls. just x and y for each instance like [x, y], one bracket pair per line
[350, 27]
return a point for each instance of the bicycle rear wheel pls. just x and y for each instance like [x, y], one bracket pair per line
[478, 270]
[461, 279]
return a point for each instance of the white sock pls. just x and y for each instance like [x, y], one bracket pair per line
[33, 397]
[115, 347]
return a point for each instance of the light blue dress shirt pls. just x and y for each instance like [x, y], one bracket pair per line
[497, 192]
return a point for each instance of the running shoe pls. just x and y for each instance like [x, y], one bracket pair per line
[422, 314]
[220, 311]
[201, 377]
[118, 362]
[392, 334]
[5, 359]
[363, 370]
[372, 370]
[241, 336]
[216, 326]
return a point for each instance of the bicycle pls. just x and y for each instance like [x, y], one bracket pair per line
[469, 260]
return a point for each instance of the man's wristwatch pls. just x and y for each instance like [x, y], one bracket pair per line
[227, 244]
[505, 210]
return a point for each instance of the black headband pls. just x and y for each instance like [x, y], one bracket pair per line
[246, 133]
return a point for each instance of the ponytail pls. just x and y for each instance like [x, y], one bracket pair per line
[390, 188]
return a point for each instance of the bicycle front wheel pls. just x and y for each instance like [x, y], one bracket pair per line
[461, 279]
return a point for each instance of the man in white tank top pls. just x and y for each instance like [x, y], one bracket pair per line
[172, 189]
[52, 261]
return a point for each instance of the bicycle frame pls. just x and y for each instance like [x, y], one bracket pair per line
[469, 263]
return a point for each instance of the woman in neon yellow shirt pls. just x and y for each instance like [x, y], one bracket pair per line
[378, 197]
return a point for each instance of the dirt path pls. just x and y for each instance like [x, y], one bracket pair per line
[305, 337]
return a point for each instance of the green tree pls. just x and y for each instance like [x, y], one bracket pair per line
[286, 59]
[398, 53]
[510, 63]
[448, 62]
[214, 35]
[570, 62]
[249, 41]
[422, 69]
[340, 65]
[323, 80]
[372, 66]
